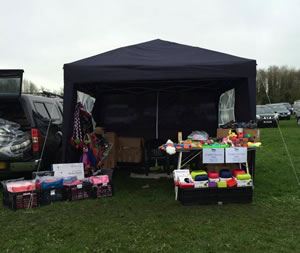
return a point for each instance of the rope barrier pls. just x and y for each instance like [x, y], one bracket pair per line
[285, 145]
[30, 203]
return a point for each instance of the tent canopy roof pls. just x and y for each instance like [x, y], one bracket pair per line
[159, 53]
[158, 60]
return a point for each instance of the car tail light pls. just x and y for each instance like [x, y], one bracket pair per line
[35, 135]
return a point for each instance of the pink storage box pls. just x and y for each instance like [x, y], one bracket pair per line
[104, 179]
[74, 183]
[21, 186]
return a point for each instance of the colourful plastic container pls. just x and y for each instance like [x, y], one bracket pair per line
[231, 183]
[201, 178]
[225, 173]
[212, 184]
[213, 174]
[197, 173]
[222, 184]
[236, 172]
[245, 176]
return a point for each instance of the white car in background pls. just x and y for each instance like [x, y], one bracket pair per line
[297, 111]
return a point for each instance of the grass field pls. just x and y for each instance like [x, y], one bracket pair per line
[149, 220]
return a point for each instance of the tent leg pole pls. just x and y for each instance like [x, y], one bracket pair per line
[179, 160]
[156, 123]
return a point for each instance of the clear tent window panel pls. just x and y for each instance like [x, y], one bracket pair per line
[226, 107]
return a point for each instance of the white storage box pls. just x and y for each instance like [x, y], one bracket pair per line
[244, 183]
[201, 184]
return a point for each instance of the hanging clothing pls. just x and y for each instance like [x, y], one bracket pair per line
[98, 145]
[82, 126]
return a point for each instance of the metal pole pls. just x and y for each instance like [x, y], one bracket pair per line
[157, 105]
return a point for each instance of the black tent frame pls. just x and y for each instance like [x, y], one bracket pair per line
[160, 67]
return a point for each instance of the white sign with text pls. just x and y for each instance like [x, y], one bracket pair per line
[213, 155]
[236, 155]
[68, 169]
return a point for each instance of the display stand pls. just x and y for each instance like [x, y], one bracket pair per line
[214, 195]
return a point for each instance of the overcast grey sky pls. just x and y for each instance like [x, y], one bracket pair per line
[40, 36]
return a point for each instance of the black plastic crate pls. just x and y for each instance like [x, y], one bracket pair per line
[99, 191]
[204, 196]
[76, 192]
[46, 197]
[44, 173]
[20, 200]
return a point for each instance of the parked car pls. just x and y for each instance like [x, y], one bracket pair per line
[265, 116]
[289, 107]
[281, 110]
[24, 120]
[297, 111]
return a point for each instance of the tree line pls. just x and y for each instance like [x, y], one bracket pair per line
[281, 84]
[31, 88]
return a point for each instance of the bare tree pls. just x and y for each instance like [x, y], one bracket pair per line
[282, 84]
[29, 87]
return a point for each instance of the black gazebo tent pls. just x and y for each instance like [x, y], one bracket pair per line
[159, 88]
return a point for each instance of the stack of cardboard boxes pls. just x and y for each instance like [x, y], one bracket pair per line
[111, 161]
[123, 150]
[254, 133]
[130, 150]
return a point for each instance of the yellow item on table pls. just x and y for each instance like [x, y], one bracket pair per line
[231, 134]
[254, 144]
[243, 176]
[197, 173]
[222, 184]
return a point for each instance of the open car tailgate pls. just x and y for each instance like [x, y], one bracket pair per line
[10, 83]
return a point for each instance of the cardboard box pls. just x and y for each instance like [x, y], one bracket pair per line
[131, 142]
[222, 132]
[130, 150]
[111, 161]
[255, 133]
[130, 155]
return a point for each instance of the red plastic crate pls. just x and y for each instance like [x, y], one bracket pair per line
[75, 192]
[100, 190]
[21, 200]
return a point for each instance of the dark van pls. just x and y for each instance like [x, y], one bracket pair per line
[25, 121]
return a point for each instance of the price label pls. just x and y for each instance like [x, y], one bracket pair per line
[236, 155]
[79, 186]
[213, 155]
